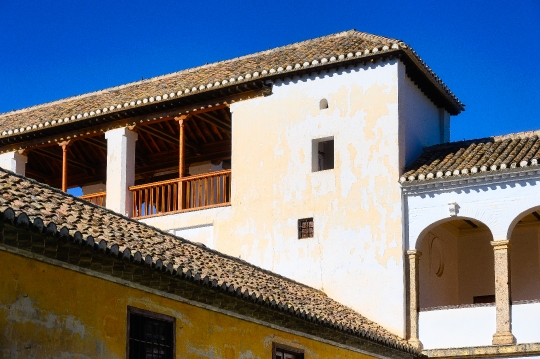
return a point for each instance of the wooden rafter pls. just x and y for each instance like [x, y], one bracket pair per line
[219, 124]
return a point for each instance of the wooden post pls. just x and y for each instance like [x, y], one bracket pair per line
[64, 145]
[181, 159]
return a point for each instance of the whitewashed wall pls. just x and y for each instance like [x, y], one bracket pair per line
[356, 255]
[498, 202]
[195, 226]
[457, 328]
[423, 123]
[525, 319]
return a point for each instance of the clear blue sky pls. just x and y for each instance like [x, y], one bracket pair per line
[486, 52]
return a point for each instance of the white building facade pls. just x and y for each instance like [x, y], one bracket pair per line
[331, 178]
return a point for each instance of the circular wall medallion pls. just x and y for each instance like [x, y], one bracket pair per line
[436, 256]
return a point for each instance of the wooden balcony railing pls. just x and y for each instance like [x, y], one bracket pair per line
[201, 191]
[95, 198]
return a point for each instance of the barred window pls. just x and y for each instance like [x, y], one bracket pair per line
[305, 228]
[150, 335]
[286, 352]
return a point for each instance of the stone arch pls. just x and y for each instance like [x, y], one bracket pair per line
[456, 265]
[518, 218]
[435, 224]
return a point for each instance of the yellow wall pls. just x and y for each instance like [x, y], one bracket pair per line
[49, 311]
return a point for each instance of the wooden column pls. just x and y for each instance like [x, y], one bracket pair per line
[503, 334]
[181, 159]
[64, 145]
[414, 257]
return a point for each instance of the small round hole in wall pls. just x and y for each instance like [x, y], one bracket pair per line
[323, 104]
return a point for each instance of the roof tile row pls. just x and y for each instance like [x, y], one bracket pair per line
[118, 234]
[491, 154]
[307, 54]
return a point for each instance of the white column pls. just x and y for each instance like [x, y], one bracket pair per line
[13, 161]
[120, 169]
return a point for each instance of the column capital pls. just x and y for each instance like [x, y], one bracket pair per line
[183, 118]
[122, 131]
[65, 143]
[500, 245]
[414, 254]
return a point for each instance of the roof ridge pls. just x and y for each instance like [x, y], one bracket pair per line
[158, 230]
[194, 68]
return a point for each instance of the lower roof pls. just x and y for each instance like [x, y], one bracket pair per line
[48, 211]
[484, 155]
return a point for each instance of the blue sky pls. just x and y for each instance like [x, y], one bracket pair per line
[486, 52]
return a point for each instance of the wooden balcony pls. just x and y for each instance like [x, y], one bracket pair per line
[95, 198]
[181, 194]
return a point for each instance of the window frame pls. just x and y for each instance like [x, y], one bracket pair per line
[315, 160]
[151, 315]
[287, 348]
[299, 227]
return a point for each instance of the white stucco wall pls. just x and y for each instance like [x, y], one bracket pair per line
[456, 328]
[196, 226]
[356, 254]
[423, 123]
[525, 322]
[499, 202]
[13, 161]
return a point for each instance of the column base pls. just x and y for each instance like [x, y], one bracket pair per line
[503, 338]
[416, 343]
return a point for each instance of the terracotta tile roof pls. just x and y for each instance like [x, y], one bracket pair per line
[340, 47]
[484, 155]
[23, 199]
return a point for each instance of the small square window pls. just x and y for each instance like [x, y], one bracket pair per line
[286, 352]
[305, 228]
[150, 335]
[323, 154]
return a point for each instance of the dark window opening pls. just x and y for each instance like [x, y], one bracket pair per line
[305, 228]
[150, 335]
[323, 154]
[484, 299]
[286, 352]
[323, 104]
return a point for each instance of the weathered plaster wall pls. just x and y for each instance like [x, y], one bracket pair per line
[375, 115]
[356, 253]
[52, 312]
